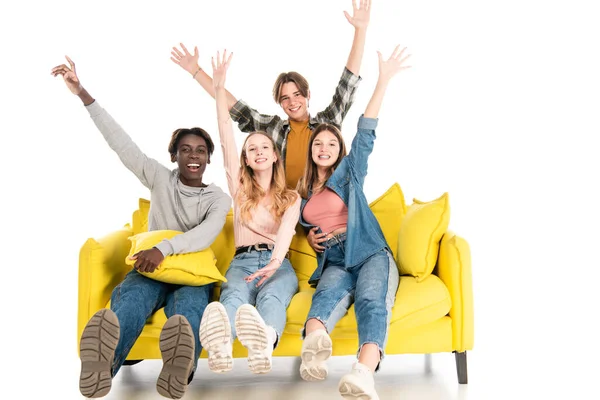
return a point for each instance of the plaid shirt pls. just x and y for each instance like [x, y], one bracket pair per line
[250, 120]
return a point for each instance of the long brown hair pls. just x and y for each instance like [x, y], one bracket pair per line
[311, 177]
[251, 193]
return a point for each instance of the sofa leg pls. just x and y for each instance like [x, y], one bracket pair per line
[461, 366]
[428, 363]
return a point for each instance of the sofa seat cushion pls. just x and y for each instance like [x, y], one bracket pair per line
[417, 303]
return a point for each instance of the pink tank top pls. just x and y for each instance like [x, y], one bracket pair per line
[326, 210]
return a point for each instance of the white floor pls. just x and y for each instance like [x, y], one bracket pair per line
[402, 377]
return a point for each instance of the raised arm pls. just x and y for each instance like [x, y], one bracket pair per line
[248, 119]
[69, 75]
[343, 98]
[189, 62]
[231, 157]
[362, 144]
[145, 169]
[387, 70]
[360, 21]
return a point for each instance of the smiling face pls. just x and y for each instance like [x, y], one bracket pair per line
[259, 153]
[192, 157]
[325, 149]
[294, 104]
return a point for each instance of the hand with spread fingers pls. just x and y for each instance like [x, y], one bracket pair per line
[360, 15]
[69, 75]
[220, 68]
[264, 273]
[185, 59]
[315, 239]
[394, 64]
[147, 260]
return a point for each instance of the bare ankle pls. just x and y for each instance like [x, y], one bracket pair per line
[314, 324]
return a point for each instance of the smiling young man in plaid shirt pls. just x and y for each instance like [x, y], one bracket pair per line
[292, 93]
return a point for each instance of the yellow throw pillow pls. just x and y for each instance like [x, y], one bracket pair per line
[389, 209]
[192, 269]
[139, 219]
[419, 238]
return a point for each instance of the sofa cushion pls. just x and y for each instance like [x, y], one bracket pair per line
[139, 219]
[419, 238]
[389, 209]
[417, 303]
[224, 245]
[194, 269]
[302, 257]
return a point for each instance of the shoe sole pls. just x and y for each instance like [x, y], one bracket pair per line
[215, 331]
[97, 346]
[177, 351]
[252, 333]
[352, 391]
[315, 353]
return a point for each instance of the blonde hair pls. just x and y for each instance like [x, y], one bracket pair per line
[310, 176]
[250, 192]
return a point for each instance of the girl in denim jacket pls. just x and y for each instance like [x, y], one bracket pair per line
[355, 264]
[260, 280]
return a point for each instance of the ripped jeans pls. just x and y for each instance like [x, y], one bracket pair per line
[371, 286]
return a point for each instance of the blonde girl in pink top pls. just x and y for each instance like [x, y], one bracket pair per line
[260, 280]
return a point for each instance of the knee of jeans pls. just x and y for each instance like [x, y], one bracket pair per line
[232, 296]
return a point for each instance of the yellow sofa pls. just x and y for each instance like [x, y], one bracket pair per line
[430, 315]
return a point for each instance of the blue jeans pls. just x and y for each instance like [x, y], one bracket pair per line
[371, 286]
[136, 298]
[271, 299]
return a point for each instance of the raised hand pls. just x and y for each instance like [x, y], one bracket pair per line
[185, 59]
[69, 75]
[220, 69]
[360, 16]
[394, 64]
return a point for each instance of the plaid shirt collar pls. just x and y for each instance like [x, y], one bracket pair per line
[312, 122]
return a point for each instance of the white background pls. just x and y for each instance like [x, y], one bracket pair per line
[500, 110]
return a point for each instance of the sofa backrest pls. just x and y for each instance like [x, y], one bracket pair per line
[389, 209]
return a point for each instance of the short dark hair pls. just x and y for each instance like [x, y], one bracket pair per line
[181, 132]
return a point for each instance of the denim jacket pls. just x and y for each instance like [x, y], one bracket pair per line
[364, 237]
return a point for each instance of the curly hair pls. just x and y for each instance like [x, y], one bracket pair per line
[181, 132]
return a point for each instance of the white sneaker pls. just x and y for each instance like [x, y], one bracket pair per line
[215, 337]
[358, 384]
[254, 335]
[316, 350]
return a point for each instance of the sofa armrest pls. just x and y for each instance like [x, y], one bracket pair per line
[454, 269]
[101, 268]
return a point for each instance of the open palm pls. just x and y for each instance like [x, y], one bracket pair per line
[397, 62]
[220, 68]
[360, 16]
[185, 59]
